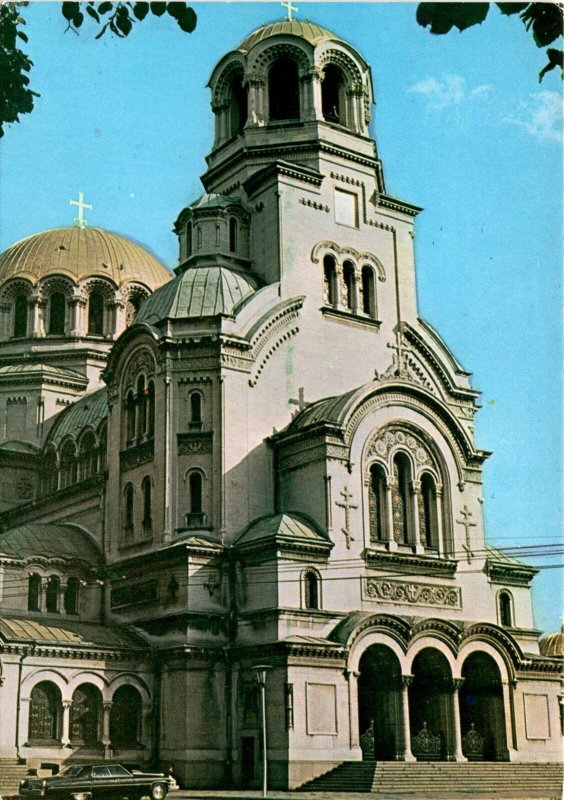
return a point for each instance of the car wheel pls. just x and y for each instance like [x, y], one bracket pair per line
[158, 791]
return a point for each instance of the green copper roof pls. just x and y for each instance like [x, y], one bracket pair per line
[90, 410]
[50, 540]
[309, 31]
[198, 292]
[214, 200]
[65, 633]
[285, 526]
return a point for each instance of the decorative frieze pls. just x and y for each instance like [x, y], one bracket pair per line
[136, 456]
[196, 442]
[422, 594]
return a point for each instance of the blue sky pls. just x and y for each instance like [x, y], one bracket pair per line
[464, 129]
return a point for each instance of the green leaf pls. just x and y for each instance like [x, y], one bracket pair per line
[442, 17]
[158, 9]
[78, 19]
[22, 36]
[141, 10]
[555, 59]
[102, 31]
[511, 8]
[187, 22]
[103, 8]
[92, 11]
[546, 19]
[70, 10]
[122, 20]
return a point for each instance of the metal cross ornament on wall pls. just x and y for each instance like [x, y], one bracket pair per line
[79, 221]
[347, 505]
[300, 402]
[289, 8]
[466, 515]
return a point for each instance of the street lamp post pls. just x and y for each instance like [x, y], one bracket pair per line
[261, 670]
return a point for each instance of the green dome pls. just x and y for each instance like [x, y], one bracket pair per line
[309, 31]
[198, 292]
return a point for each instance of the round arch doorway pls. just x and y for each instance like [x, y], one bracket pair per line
[430, 706]
[379, 704]
[482, 712]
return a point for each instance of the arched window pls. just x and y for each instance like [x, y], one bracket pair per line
[125, 717]
[312, 589]
[151, 409]
[195, 410]
[86, 715]
[332, 100]
[71, 596]
[350, 285]
[233, 235]
[188, 239]
[428, 512]
[377, 503]
[130, 414]
[141, 406]
[20, 316]
[330, 280]
[96, 313]
[195, 516]
[368, 292]
[49, 473]
[34, 593]
[52, 594]
[237, 106]
[401, 499]
[283, 90]
[88, 456]
[128, 510]
[102, 447]
[57, 306]
[68, 465]
[45, 713]
[147, 488]
[505, 609]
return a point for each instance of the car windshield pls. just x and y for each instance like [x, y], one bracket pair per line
[71, 772]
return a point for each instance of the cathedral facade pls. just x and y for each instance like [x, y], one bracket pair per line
[266, 458]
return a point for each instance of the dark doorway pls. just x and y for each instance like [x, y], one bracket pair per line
[247, 760]
[430, 706]
[379, 704]
[482, 713]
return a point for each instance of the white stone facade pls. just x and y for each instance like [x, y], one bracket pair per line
[282, 471]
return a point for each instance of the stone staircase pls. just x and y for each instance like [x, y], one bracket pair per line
[11, 773]
[443, 779]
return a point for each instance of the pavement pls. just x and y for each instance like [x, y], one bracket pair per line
[200, 794]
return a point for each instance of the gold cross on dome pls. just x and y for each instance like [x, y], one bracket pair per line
[289, 7]
[79, 221]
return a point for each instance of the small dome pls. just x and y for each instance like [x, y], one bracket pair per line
[89, 411]
[552, 645]
[198, 292]
[81, 253]
[214, 200]
[309, 31]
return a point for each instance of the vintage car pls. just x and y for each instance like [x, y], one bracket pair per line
[94, 781]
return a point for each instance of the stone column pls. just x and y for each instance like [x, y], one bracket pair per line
[62, 590]
[352, 680]
[145, 732]
[76, 304]
[42, 599]
[65, 733]
[106, 741]
[439, 515]
[354, 100]
[255, 102]
[415, 489]
[392, 544]
[37, 326]
[406, 681]
[458, 754]
[25, 703]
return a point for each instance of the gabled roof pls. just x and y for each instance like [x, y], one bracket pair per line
[16, 629]
[290, 526]
[50, 540]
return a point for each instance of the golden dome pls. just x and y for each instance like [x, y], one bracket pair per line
[309, 31]
[79, 253]
[552, 645]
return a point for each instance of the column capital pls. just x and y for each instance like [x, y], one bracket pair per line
[415, 487]
[457, 684]
[351, 673]
[407, 680]
[107, 705]
[66, 704]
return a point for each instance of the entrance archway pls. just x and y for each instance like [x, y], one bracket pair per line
[430, 706]
[379, 704]
[482, 713]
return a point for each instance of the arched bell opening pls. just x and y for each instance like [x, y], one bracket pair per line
[482, 712]
[379, 704]
[283, 90]
[333, 103]
[430, 706]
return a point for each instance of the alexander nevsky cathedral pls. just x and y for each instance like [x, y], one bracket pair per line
[265, 458]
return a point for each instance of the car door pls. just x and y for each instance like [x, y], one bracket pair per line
[102, 788]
